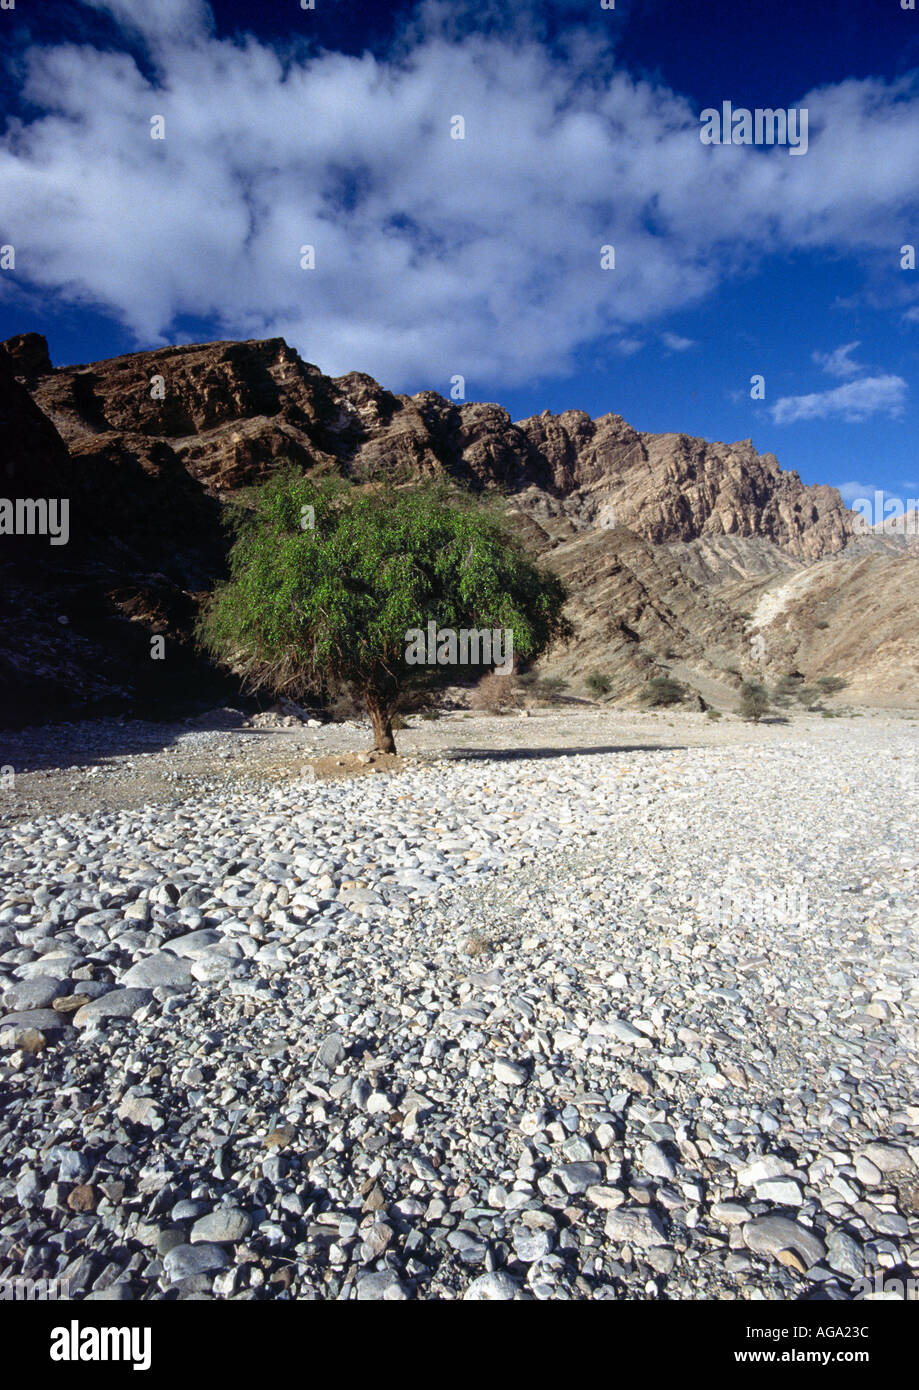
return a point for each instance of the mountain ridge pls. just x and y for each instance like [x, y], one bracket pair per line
[641, 525]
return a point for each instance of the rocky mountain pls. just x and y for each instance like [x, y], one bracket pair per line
[669, 544]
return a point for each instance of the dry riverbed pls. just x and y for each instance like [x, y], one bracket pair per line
[587, 1005]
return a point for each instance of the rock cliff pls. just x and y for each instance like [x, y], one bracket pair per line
[667, 542]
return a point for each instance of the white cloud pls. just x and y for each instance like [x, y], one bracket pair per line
[839, 362]
[166, 21]
[850, 491]
[912, 315]
[434, 256]
[675, 343]
[855, 401]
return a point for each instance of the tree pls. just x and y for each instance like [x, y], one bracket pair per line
[327, 581]
[754, 700]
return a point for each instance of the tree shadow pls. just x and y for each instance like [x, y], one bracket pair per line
[522, 754]
[47, 747]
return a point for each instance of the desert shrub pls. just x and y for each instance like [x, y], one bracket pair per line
[599, 683]
[550, 687]
[822, 624]
[830, 685]
[754, 700]
[542, 687]
[713, 714]
[494, 693]
[809, 696]
[398, 722]
[662, 691]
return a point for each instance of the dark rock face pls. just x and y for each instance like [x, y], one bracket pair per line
[76, 618]
[147, 446]
[28, 353]
[33, 457]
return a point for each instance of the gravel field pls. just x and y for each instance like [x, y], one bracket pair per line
[586, 1005]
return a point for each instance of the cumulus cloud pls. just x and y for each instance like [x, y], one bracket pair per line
[675, 343]
[854, 402]
[850, 491]
[839, 362]
[164, 22]
[432, 255]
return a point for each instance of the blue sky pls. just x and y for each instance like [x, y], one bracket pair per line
[481, 257]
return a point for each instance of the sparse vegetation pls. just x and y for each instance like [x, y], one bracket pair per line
[794, 687]
[713, 713]
[495, 694]
[809, 696]
[550, 687]
[547, 688]
[598, 683]
[754, 701]
[661, 691]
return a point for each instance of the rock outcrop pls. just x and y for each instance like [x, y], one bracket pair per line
[230, 411]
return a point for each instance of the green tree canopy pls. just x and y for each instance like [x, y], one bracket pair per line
[327, 580]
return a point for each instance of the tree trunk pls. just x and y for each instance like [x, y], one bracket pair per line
[383, 740]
